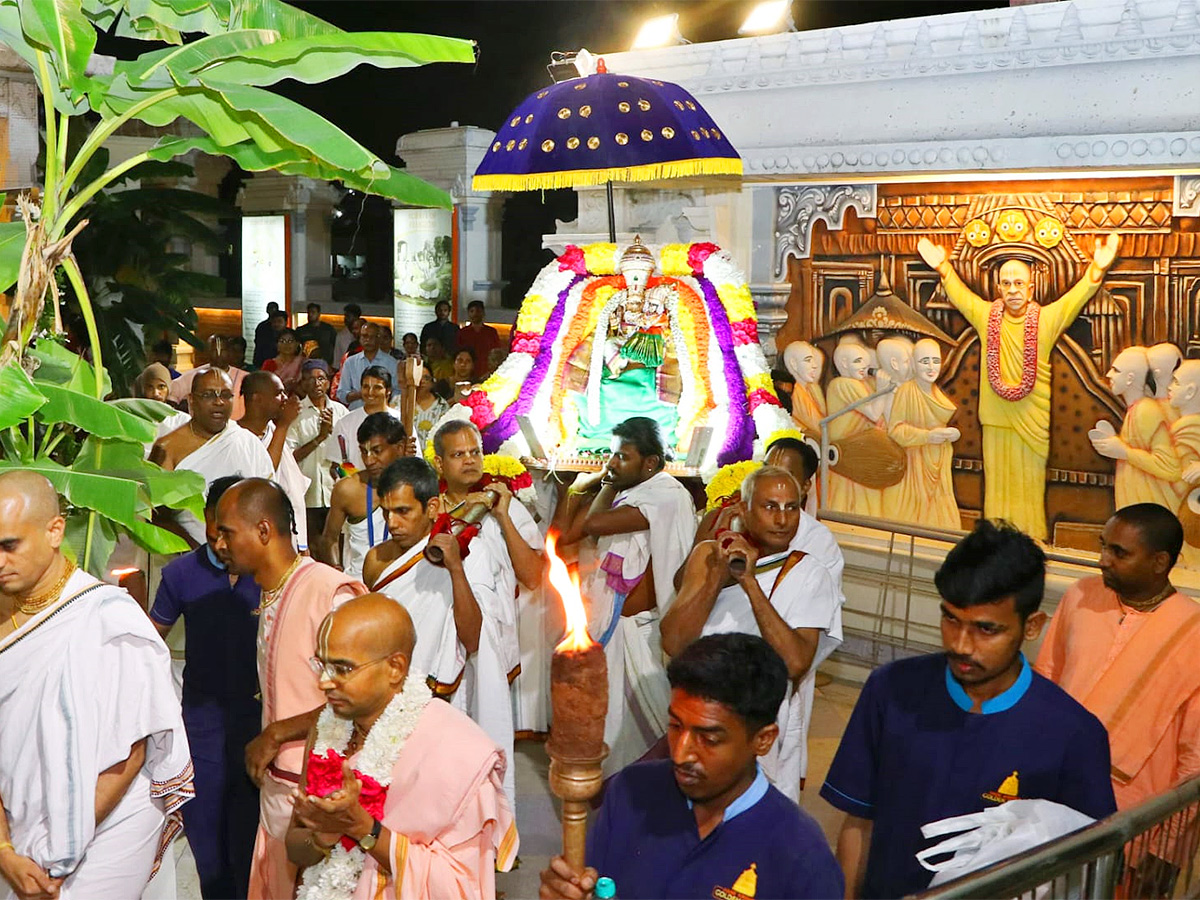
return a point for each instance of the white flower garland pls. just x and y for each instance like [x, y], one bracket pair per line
[336, 877]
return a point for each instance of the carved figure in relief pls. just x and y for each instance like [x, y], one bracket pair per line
[1164, 359]
[1183, 393]
[805, 363]
[852, 362]
[1147, 468]
[919, 423]
[1016, 336]
[895, 357]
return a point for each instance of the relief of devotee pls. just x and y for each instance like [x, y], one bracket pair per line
[853, 383]
[805, 363]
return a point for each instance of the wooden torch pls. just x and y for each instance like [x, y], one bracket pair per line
[579, 703]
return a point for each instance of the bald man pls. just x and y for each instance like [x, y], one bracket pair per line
[1184, 397]
[94, 762]
[853, 363]
[223, 355]
[270, 412]
[444, 826]
[804, 362]
[209, 445]
[254, 531]
[1164, 359]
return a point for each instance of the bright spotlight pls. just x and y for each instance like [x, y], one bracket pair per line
[661, 31]
[768, 18]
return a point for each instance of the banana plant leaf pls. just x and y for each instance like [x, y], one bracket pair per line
[60, 28]
[103, 540]
[94, 416]
[165, 20]
[12, 35]
[151, 410]
[21, 398]
[12, 243]
[180, 489]
[157, 540]
[114, 498]
[58, 365]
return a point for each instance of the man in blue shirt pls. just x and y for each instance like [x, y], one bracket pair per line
[221, 711]
[705, 823]
[955, 733]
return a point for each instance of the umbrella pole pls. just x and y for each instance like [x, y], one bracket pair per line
[612, 216]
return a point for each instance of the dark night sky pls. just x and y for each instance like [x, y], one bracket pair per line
[515, 38]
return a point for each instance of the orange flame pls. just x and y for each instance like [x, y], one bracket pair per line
[567, 586]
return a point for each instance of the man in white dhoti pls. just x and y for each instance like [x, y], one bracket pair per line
[94, 762]
[644, 521]
[762, 583]
[209, 445]
[466, 641]
[511, 538]
[269, 414]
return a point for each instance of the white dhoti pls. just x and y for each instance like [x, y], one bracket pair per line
[803, 593]
[360, 537]
[295, 485]
[234, 451]
[82, 682]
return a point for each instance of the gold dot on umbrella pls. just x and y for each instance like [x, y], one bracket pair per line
[547, 145]
[510, 145]
[572, 143]
[515, 122]
[524, 143]
[529, 118]
[644, 105]
[647, 134]
[581, 86]
[705, 132]
[564, 113]
[542, 94]
[659, 83]
[679, 104]
[623, 106]
[691, 105]
[585, 111]
[695, 135]
[622, 84]
[593, 142]
[668, 132]
[622, 138]
[495, 146]
[716, 134]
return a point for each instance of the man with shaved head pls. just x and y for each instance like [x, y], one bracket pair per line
[254, 531]
[762, 582]
[270, 412]
[210, 445]
[94, 762]
[223, 355]
[436, 822]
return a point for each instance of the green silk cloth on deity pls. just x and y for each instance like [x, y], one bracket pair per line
[632, 393]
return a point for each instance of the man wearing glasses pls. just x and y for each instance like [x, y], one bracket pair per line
[254, 531]
[209, 445]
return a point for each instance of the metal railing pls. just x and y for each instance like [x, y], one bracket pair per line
[1145, 852]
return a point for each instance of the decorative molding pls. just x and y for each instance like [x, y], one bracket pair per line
[1186, 199]
[797, 209]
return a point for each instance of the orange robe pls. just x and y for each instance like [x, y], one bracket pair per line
[1185, 436]
[808, 408]
[845, 495]
[1151, 474]
[287, 641]
[1135, 672]
[926, 493]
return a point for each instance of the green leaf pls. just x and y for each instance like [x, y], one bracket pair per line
[12, 245]
[180, 489]
[155, 539]
[103, 541]
[60, 28]
[151, 410]
[276, 15]
[320, 58]
[13, 36]
[94, 416]
[70, 370]
[159, 66]
[20, 398]
[113, 498]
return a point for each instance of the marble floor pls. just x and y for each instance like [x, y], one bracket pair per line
[537, 811]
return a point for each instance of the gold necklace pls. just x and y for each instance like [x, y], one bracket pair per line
[264, 603]
[35, 604]
[1147, 605]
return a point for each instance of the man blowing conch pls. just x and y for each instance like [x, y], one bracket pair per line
[94, 762]
[402, 796]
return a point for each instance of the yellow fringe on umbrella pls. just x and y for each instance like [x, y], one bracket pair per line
[720, 165]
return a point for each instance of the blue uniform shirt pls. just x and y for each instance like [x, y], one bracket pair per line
[645, 839]
[220, 652]
[913, 753]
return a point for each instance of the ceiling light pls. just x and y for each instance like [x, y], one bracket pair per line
[661, 31]
[768, 18]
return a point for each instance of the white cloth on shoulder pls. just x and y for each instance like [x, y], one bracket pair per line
[232, 451]
[295, 485]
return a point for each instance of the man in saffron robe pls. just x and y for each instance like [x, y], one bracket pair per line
[94, 762]
[1184, 397]
[804, 362]
[1123, 645]
[442, 827]
[852, 361]
[919, 423]
[1016, 335]
[254, 527]
[1147, 466]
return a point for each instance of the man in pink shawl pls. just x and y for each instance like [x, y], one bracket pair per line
[255, 524]
[403, 796]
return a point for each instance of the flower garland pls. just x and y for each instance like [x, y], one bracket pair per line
[336, 876]
[727, 482]
[1029, 355]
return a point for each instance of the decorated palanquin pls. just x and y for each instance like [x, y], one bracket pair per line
[606, 333]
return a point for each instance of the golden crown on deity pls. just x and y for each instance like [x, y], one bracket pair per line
[637, 255]
[1015, 227]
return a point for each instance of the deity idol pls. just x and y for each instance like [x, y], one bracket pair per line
[1017, 335]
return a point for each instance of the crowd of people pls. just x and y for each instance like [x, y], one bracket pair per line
[346, 722]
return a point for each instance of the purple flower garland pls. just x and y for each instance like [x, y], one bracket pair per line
[739, 442]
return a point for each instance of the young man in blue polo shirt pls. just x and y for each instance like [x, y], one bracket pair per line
[705, 823]
[949, 734]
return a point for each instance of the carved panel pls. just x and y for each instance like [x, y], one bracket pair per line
[1186, 198]
[797, 210]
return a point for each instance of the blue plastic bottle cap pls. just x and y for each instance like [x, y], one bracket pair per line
[606, 889]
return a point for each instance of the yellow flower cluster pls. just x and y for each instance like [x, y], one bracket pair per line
[757, 380]
[600, 259]
[728, 481]
[784, 433]
[502, 391]
[738, 303]
[535, 310]
[503, 465]
[674, 261]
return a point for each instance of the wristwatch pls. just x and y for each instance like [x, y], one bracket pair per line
[367, 842]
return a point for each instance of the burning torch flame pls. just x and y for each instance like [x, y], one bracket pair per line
[567, 587]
